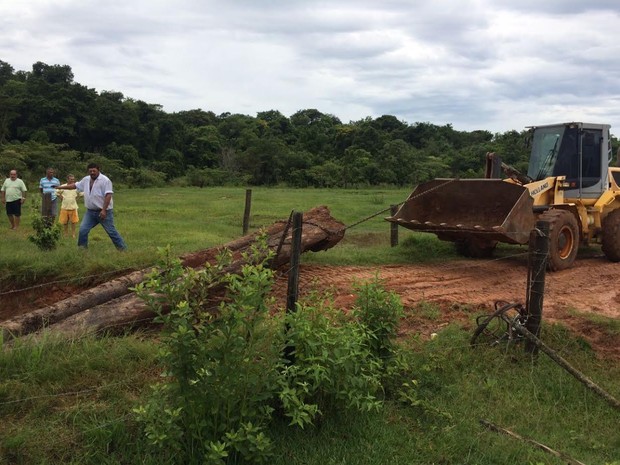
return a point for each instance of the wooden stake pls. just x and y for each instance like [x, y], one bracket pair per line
[393, 227]
[567, 366]
[560, 455]
[246, 212]
[539, 249]
[293, 280]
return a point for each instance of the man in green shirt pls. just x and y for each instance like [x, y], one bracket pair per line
[13, 194]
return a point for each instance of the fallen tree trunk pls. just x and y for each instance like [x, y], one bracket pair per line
[37, 319]
[112, 305]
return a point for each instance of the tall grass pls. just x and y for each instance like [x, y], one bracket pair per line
[69, 401]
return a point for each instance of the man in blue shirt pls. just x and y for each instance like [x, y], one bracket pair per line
[48, 185]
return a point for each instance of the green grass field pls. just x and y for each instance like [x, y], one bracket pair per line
[190, 219]
[70, 400]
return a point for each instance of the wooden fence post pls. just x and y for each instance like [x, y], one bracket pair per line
[393, 227]
[46, 207]
[246, 212]
[293, 278]
[538, 251]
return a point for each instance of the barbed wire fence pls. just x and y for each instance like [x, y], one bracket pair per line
[459, 266]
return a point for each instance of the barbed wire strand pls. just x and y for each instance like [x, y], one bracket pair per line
[67, 280]
[71, 393]
[357, 223]
[84, 391]
[433, 349]
[125, 381]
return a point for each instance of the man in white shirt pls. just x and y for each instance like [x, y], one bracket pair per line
[97, 189]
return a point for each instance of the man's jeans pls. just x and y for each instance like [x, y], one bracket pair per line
[91, 219]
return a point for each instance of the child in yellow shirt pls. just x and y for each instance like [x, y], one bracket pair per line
[69, 207]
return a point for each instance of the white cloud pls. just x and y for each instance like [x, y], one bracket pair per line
[474, 64]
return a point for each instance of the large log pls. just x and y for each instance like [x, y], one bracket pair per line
[45, 316]
[112, 305]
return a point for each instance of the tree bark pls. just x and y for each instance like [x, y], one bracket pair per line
[113, 305]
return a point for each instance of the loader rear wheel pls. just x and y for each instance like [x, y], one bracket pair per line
[611, 236]
[563, 238]
[475, 249]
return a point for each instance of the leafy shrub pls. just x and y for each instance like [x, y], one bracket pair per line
[46, 233]
[219, 372]
[332, 367]
[224, 374]
[379, 311]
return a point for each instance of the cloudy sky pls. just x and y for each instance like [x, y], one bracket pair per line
[475, 64]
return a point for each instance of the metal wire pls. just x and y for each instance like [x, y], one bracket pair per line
[398, 204]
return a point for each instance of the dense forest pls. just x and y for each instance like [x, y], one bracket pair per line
[47, 119]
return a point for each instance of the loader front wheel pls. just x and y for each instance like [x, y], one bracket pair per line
[611, 236]
[563, 238]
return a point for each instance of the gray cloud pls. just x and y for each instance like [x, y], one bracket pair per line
[472, 64]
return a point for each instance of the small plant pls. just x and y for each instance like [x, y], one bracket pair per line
[428, 310]
[47, 233]
[213, 401]
[379, 311]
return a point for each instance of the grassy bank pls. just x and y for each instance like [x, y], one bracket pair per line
[70, 401]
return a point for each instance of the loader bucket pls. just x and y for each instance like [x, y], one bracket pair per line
[480, 209]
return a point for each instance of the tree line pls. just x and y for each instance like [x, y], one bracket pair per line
[49, 120]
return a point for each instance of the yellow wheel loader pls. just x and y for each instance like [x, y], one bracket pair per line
[569, 183]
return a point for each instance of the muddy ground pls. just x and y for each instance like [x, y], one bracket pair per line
[467, 288]
[462, 289]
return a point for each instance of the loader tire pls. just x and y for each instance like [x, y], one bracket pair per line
[475, 249]
[611, 236]
[563, 238]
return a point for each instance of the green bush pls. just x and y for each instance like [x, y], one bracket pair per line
[332, 365]
[380, 312]
[46, 233]
[218, 371]
[224, 373]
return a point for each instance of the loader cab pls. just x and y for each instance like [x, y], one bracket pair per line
[579, 151]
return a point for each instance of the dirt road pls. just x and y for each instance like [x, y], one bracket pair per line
[469, 287]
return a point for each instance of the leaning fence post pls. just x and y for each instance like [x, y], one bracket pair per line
[393, 227]
[538, 251]
[293, 278]
[246, 212]
[611, 400]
